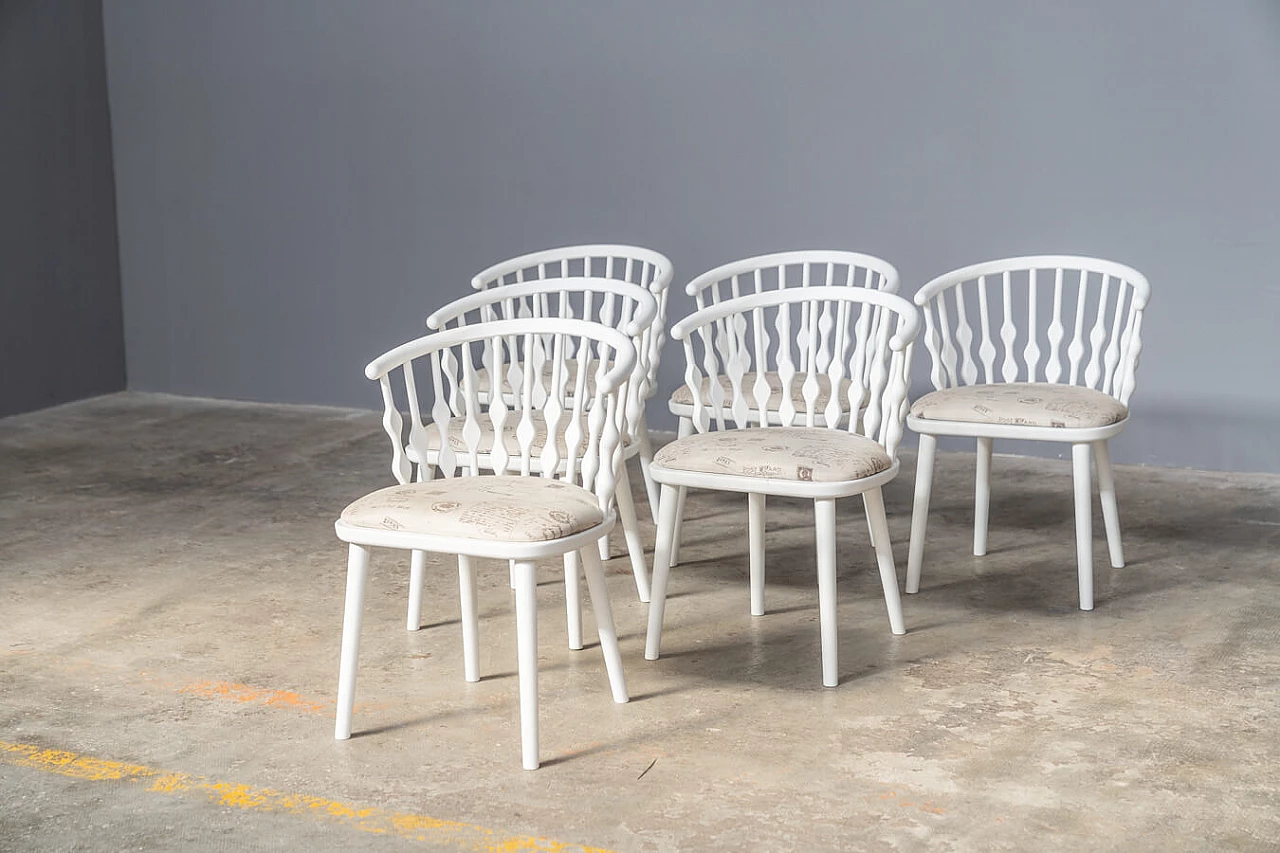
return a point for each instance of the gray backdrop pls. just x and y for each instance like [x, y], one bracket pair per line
[301, 181]
[60, 327]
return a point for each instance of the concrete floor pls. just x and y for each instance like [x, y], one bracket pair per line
[169, 643]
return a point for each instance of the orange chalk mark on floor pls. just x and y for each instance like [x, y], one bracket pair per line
[253, 695]
[371, 819]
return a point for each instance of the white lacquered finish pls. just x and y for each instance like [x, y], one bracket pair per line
[1048, 320]
[631, 309]
[572, 377]
[761, 274]
[629, 264]
[858, 339]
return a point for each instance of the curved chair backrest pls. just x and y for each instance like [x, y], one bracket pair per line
[782, 270]
[578, 400]
[629, 308]
[855, 340]
[1044, 318]
[631, 264]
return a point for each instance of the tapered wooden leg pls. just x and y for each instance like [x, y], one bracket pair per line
[646, 460]
[982, 497]
[357, 581]
[470, 619]
[417, 576]
[684, 430]
[874, 500]
[824, 512]
[1110, 509]
[631, 531]
[871, 531]
[667, 505]
[755, 527]
[604, 625]
[920, 510]
[1084, 523]
[573, 598]
[527, 658]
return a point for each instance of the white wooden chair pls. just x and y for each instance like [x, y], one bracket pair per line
[1052, 358]
[778, 271]
[627, 307]
[854, 339]
[548, 497]
[631, 264]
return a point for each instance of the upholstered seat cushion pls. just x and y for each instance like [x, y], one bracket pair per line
[1039, 404]
[778, 453]
[683, 396]
[509, 438]
[506, 509]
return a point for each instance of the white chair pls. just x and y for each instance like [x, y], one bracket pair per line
[849, 338]
[547, 498]
[1052, 358]
[631, 264]
[778, 271]
[615, 304]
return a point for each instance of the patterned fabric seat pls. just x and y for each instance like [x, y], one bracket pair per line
[779, 453]
[507, 509]
[1039, 404]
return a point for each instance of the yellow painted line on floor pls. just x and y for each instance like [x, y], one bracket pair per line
[415, 827]
[247, 694]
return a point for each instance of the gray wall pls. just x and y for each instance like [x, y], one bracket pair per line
[300, 181]
[60, 326]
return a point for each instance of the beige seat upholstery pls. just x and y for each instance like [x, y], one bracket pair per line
[1039, 404]
[508, 509]
[778, 453]
[683, 396]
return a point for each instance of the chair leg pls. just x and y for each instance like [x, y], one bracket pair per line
[1084, 523]
[631, 532]
[604, 625]
[511, 572]
[874, 500]
[871, 528]
[417, 576]
[1110, 509]
[357, 581]
[573, 598]
[982, 497]
[683, 431]
[755, 526]
[646, 460]
[470, 619]
[824, 512]
[602, 547]
[527, 661]
[667, 506]
[920, 510]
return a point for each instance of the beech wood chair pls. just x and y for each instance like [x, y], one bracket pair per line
[1053, 358]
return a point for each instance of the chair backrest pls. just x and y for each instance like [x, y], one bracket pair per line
[1045, 318]
[629, 308]
[783, 270]
[858, 340]
[631, 264]
[579, 400]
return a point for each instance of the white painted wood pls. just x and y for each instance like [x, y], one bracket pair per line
[527, 660]
[874, 500]
[608, 634]
[1084, 522]
[573, 375]
[920, 509]
[353, 615]
[631, 530]
[1091, 334]
[572, 597]
[417, 577]
[470, 618]
[755, 545]
[981, 496]
[824, 512]
[683, 430]
[849, 336]
[1110, 509]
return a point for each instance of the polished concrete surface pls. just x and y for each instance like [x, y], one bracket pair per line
[169, 643]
